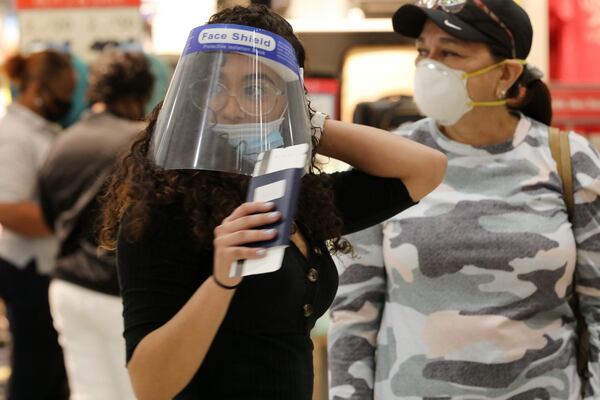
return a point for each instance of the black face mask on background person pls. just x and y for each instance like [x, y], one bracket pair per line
[56, 109]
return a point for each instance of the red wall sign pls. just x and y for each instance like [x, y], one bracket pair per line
[577, 107]
[33, 4]
[576, 102]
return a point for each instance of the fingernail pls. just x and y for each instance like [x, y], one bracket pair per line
[261, 252]
[269, 204]
[274, 214]
[269, 231]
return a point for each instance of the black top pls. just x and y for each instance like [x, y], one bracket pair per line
[76, 169]
[263, 348]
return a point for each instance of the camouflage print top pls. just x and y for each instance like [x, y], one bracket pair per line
[465, 295]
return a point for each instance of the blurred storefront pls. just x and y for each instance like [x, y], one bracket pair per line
[342, 37]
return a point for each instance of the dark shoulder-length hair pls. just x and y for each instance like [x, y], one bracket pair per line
[207, 197]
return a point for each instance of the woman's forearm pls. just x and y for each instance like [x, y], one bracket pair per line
[24, 218]
[165, 361]
[383, 154]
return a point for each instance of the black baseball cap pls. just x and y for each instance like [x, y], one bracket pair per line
[472, 24]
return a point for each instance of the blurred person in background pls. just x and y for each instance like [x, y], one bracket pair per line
[45, 82]
[84, 294]
[467, 294]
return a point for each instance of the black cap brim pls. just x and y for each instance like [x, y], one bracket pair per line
[409, 20]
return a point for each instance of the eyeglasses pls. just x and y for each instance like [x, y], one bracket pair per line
[450, 6]
[456, 6]
[255, 98]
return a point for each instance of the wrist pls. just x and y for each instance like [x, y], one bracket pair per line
[317, 122]
[225, 286]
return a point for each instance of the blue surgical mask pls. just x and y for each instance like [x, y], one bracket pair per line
[251, 139]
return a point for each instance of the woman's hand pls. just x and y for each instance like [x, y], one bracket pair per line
[166, 359]
[238, 229]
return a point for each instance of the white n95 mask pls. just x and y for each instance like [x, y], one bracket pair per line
[441, 92]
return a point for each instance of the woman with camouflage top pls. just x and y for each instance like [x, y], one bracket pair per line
[466, 295]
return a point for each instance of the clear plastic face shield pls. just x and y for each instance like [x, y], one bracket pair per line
[236, 92]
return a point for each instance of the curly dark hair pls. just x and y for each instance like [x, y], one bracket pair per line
[261, 16]
[138, 185]
[118, 75]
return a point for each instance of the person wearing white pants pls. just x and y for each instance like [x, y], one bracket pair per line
[90, 326]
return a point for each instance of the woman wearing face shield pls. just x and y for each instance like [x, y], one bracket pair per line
[45, 81]
[177, 215]
[246, 126]
[467, 295]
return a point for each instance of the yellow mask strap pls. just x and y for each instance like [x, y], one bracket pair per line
[487, 69]
[495, 103]
[482, 71]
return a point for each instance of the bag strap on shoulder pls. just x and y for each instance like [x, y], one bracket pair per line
[561, 152]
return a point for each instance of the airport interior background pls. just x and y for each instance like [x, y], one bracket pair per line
[358, 69]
